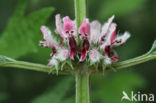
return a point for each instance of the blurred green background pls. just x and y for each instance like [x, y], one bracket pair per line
[20, 22]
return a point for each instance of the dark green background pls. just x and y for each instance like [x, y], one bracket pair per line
[136, 16]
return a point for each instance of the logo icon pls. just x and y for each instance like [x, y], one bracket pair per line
[137, 97]
[125, 96]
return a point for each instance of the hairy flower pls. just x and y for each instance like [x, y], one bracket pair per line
[97, 41]
[94, 55]
[84, 32]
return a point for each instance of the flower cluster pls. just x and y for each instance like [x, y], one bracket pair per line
[97, 41]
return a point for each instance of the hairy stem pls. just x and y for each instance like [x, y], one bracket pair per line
[30, 66]
[44, 68]
[80, 13]
[134, 61]
[82, 87]
[82, 75]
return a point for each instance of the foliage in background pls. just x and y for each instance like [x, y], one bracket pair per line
[114, 7]
[56, 93]
[118, 7]
[106, 89]
[19, 37]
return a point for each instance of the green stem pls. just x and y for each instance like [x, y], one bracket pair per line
[82, 75]
[82, 87]
[44, 68]
[80, 13]
[134, 61]
[30, 66]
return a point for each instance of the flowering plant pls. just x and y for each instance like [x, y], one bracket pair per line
[97, 42]
[85, 48]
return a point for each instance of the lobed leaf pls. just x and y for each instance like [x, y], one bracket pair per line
[19, 37]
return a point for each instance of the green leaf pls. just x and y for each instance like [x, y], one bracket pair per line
[55, 94]
[19, 37]
[153, 49]
[4, 59]
[118, 7]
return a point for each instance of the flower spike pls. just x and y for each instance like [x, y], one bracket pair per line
[95, 38]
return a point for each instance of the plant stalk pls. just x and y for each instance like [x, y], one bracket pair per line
[82, 87]
[80, 14]
[44, 68]
[82, 75]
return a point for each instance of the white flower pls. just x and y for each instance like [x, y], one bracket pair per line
[48, 37]
[95, 31]
[110, 36]
[121, 39]
[62, 54]
[94, 55]
[53, 62]
[106, 26]
[59, 26]
[107, 60]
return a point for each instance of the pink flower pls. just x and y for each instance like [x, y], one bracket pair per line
[73, 47]
[96, 39]
[84, 32]
[85, 27]
[68, 27]
[69, 31]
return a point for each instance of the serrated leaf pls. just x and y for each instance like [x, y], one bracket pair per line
[19, 37]
[55, 94]
[153, 49]
[4, 59]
